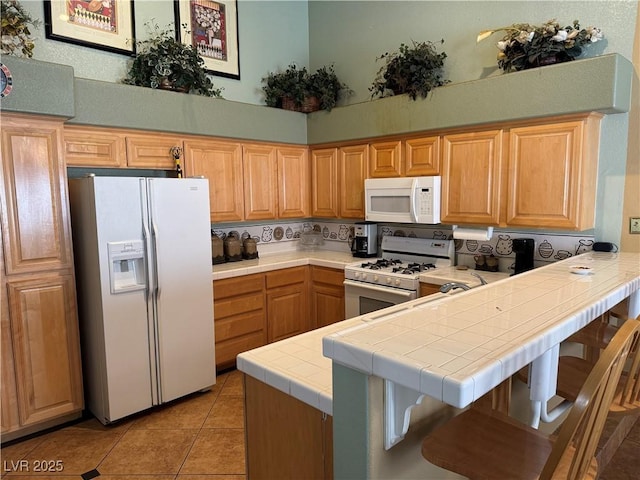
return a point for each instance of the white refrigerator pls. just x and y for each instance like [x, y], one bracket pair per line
[142, 250]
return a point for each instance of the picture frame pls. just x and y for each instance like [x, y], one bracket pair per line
[102, 24]
[212, 27]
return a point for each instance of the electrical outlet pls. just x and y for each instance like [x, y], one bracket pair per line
[634, 225]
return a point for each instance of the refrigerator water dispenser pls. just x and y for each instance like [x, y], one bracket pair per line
[126, 266]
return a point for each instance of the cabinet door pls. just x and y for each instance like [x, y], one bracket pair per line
[550, 177]
[152, 151]
[287, 303]
[260, 183]
[324, 183]
[471, 178]
[8, 395]
[422, 156]
[293, 182]
[33, 190]
[221, 163]
[385, 159]
[327, 296]
[353, 171]
[93, 147]
[45, 346]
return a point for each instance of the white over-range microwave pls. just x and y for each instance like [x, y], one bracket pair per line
[403, 200]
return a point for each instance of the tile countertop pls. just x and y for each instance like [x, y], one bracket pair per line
[457, 348]
[275, 261]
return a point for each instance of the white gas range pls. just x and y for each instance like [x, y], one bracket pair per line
[372, 284]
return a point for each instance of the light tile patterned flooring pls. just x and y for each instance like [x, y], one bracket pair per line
[200, 437]
[196, 438]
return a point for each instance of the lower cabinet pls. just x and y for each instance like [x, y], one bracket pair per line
[41, 355]
[287, 302]
[428, 289]
[286, 438]
[253, 310]
[239, 317]
[327, 296]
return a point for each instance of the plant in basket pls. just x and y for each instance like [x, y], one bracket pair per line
[527, 46]
[164, 62]
[297, 89]
[16, 37]
[415, 70]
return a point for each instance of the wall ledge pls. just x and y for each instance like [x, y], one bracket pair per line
[598, 84]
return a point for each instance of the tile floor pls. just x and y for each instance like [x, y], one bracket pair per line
[197, 438]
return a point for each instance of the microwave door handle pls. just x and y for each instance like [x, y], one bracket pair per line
[413, 208]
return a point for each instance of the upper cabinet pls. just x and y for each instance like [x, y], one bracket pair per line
[152, 151]
[552, 174]
[422, 156]
[540, 175]
[337, 181]
[221, 163]
[385, 159]
[260, 182]
[293, 182]
[35, 206]
[471, 177]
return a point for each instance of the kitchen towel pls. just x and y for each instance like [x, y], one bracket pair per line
[472, 233]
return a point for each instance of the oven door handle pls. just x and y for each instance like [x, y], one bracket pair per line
[369, 286]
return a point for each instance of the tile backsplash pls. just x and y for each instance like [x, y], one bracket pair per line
[549, 247]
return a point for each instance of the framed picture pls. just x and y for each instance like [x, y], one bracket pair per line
[102, 24]
[212, 27]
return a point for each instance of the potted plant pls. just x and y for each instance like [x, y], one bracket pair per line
[164, 62]
[296, 89]
[415, 70]
[527, 46]
[16, 37]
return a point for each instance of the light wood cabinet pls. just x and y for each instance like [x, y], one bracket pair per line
[428, 289]
[327, 296]
[324, 183]
[286, 438]
[552, 174]
[113, 148]
[354, 168]
[260, 182]
[239, 317]
[152, 150]
[472, 178]
[293, 182]
[422, 156]
[41, 367]
[385, 159]
[221, 163]
[287, 302]
[337, 181]
[45, 347]
[93, 147]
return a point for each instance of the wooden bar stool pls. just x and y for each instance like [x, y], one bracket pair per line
[486, 444]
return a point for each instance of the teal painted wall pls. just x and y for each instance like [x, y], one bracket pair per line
[271, 35]
[352, 34]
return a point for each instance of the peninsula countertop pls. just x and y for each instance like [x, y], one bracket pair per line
[457, 348]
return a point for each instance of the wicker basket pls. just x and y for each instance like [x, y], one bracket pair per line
[310, 104]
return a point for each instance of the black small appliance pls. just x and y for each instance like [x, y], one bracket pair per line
[365, 241]
[523, 248]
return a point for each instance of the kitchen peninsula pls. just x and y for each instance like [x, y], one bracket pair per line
[453, 349]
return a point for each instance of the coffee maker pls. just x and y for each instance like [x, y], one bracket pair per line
[523, 248]
[365, 240]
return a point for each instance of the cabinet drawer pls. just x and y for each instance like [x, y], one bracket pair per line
[227, 351]
[237, 305]
[238, 325]
[332, 276]
[287, 276]
[233, 287]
